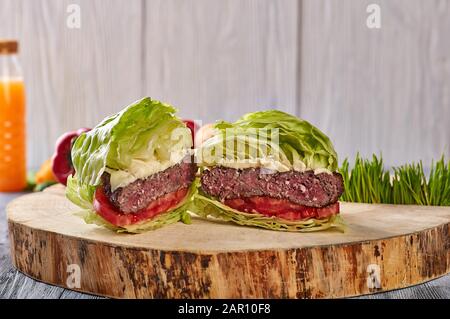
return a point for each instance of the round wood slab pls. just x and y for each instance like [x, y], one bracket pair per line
[385, 247]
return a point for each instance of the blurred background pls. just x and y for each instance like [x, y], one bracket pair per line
[370, 90]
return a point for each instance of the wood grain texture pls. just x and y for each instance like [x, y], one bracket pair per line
[4, 243]
[369, 90]
[14, 284]
[220, 59]
[212, 59]
[378, 90]
[74, 77]
[217, 260]
[9, 18]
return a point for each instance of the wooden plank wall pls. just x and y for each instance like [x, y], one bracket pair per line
[370, 90]
[74, 77]
[220, 59]
[378, 90]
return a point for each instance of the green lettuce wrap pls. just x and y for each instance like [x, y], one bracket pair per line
[144, 138]
[273, 140]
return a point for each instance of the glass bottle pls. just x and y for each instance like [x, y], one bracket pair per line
[12, 120]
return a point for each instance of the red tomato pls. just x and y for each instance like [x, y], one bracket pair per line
[281, 208]
[104, 208]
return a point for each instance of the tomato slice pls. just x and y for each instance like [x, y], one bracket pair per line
[281, 208]
[109, 212]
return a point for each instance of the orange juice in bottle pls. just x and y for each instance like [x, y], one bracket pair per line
[12, 120]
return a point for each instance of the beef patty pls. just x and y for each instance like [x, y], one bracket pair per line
[304, 188]
[140, 193]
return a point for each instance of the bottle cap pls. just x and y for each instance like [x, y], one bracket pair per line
[8, 46]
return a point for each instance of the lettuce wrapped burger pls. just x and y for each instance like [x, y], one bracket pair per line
[133, 171]
[270, 169]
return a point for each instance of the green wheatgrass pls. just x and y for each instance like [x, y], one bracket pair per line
[369, 182]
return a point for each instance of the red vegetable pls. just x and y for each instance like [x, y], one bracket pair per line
[62, 165]
[192, 126]
[104, 208]
[281, 208]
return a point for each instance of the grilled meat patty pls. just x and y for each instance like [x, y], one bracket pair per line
[304, 188]
[139, 194]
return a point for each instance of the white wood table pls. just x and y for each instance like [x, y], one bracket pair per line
[14, 284]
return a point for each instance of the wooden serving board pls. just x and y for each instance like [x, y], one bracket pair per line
[385, 247]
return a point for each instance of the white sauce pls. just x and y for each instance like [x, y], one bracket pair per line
[271, 164]
[141, 169]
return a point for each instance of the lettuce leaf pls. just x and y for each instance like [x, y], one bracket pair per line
[143, 131]
[80, 194]
[91, 217]
[204, 206]
[146, 132]
[270, 139]
[299, 145]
